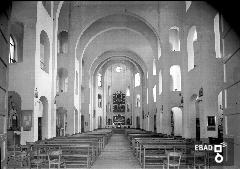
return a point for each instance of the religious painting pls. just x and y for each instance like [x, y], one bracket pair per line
[26, 119]
[211, 123]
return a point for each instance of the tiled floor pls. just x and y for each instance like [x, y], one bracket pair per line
[117, 155]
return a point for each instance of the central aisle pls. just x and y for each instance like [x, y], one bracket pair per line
[117, 155]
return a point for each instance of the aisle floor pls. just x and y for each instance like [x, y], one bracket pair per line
[117, 155]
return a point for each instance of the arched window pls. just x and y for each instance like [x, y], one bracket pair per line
[12, 54]
[174, 40]
[128, 91]
[154, 67]
[62, 80]
[192, 37]
[188, 4]
[99, 101]
[138, 100]
[175, 73]
[137, 79]
[217, 36]
[76, 90]
[99, 78]
[63, 42]
[154, 93]
[44, 51]
[160, 82]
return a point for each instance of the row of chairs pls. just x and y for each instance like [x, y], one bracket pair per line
[155, 149]
[78, 150]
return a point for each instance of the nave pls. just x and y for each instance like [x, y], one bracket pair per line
[70, 70]
[112, 149]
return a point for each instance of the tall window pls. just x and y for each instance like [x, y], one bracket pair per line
[128, 91]
[99, 79]
[44, 51]
[12, 54]
[192, 37]
[160, 82]
[154, 67]
[99, 101]
[137, 79]
[154, 93]
[174, 40]
[63, 42]
[217, 36]
[175, 73]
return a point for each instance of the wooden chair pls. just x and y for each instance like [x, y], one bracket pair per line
[54, 158]
[173, 160]
[35, 160]
[200, 160]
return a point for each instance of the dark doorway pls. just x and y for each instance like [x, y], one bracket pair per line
[155, 123]
[138, 122]
[82, 123]
[197, 129]
[39, 128]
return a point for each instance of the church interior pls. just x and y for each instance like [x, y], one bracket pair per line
[118, 84]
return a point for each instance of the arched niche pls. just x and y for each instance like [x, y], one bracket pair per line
[44, 51]
[43, 119]
[174, 39]
[191, 38]
[14, 111]
[177, 121]
[175, 73]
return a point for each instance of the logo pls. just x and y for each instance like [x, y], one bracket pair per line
[215, 148]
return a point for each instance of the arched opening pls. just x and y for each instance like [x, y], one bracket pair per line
[174, 39]
[43, 118]
[154, 67]
[175, 73]
[191, 38]
[12, 52]
[62, 80]
[128, 91]
[160, 82]
[176, 119]
[137, 79]
[99, 101]
[63, 42]
[16, 42]
[217, 35]
[61, 119]
[14, 116]
[99, 80]
[44, 51]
